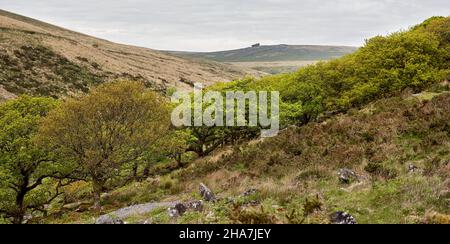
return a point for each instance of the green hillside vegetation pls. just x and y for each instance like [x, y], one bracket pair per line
[267, 53]
[378, 142]
[299, 168]
[382, 112]
[415, 59]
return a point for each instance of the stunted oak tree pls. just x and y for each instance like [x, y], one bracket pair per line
[27, 171]
[113, 125]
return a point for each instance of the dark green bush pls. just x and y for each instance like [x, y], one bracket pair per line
[377, 169]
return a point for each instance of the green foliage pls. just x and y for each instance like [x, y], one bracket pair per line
[172, 145]
[205, 139]
[25, 167]
[119, 129]
[385, 66]
[311, 205]
[115, 125]
[170, 91]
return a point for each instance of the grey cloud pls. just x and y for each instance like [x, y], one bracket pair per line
[205, 25]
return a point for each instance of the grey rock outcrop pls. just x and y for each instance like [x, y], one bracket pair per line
[123, 213]
[347, 176]
[173, 212]
[181, 208]
[206, 193]
[412, 168]
[342, 218]
[108, 220]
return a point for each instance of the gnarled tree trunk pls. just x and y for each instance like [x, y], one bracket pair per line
[98, 186]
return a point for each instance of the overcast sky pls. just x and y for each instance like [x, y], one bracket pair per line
[208, 25]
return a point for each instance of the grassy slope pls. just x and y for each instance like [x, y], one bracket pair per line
[296, 172]
[302, 163]
[43, 59]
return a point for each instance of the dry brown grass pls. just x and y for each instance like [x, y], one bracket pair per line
[113, 59]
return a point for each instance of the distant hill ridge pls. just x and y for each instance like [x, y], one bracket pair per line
[270, 53]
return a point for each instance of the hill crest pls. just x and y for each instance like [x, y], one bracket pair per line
[42, 59]
[270, 53]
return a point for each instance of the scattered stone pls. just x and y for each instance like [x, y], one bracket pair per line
[342, 218]
[346, 176]
[139, 209]
[195, 205]
[173, 212]
[27, 218]
[249, 192]
[206, 193]
[108, 220]
[412, 168]
[181, 208]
